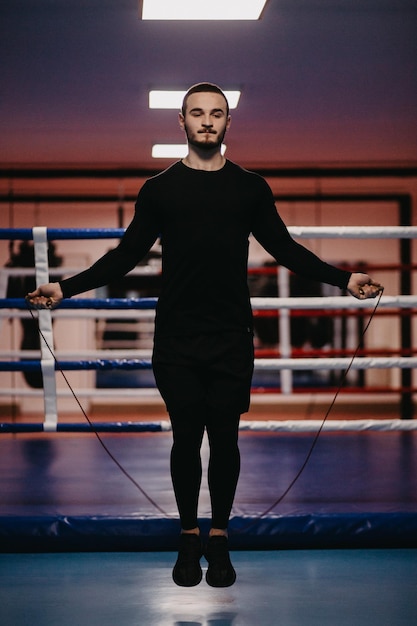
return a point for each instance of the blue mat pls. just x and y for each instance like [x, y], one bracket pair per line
[63, 492]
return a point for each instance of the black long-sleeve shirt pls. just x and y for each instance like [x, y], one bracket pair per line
[204, 220]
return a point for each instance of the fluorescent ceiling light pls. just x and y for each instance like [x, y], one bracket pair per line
[173, 99]
[192, 10]
[173, 151]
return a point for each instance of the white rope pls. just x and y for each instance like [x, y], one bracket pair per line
[307, 426]
[135, 314]
[354, 232]
[144, 270]
[311, 426]
[63, 355]
[93, 392]
[359, 363]
[333, 302]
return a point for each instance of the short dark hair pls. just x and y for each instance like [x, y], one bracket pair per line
[203, 88]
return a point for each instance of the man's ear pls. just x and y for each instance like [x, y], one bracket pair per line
[181, 120]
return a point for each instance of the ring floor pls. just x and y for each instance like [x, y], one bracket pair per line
[288, 588]
[81, 545]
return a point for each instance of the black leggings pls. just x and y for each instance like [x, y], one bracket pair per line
[222, 427]
[194, 373]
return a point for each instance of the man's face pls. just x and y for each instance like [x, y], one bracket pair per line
[206, 121]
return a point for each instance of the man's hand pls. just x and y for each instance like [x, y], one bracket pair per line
[362, 286]
[46, 296]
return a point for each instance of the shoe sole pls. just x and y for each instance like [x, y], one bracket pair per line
[211, 583]
[182, 584]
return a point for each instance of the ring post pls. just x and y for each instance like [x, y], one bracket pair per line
[407, 407]
[40, 241]
[284, 329]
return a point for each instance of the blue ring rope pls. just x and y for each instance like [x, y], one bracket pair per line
[34, 365]
[88, 303]
[26, 234]
[103, 427]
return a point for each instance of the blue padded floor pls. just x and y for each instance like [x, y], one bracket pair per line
[62, 492]
[292, 588]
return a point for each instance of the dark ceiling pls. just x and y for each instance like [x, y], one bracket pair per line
[324, 81]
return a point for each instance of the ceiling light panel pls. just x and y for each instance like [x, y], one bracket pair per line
[173, 151]
[191, 10]
[159, 99]
[169, 151]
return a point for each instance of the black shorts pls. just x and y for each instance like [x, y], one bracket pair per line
[212, 370]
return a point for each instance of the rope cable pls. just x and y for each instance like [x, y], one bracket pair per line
[318, 433]
[90, 423]
[297, 475]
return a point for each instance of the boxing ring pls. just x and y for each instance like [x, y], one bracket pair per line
[63, 494]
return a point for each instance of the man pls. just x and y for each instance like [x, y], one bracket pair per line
[204, 208]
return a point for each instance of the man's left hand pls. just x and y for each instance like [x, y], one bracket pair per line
[362, 286]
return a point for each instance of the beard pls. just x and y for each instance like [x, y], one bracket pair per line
[216, 139]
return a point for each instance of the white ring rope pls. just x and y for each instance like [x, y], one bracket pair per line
[333, 302]
[354, 232]
[307, 426]
[84, 392]
[86, 314]
[80, 354]
[67, 270]
[360, 363]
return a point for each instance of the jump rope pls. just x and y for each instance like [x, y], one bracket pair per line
[297, 475]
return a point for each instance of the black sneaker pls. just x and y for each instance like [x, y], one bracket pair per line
[220, 572]
[187, 570]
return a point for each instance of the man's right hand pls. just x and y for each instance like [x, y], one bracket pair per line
[46, 296]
